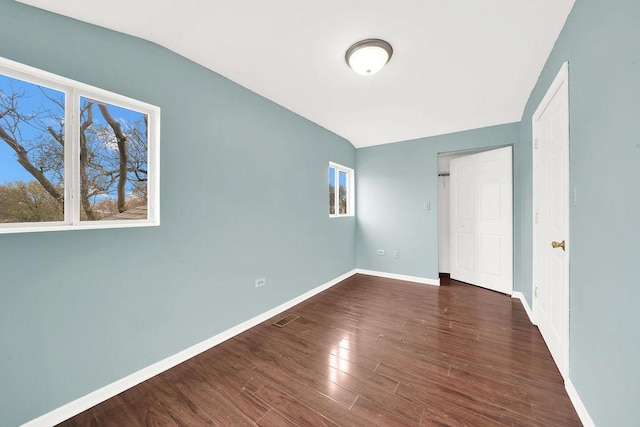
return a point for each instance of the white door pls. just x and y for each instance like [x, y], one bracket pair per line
[463, 217]
[551, 219]
[482, 219]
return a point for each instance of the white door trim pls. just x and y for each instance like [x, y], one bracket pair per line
[560, 83]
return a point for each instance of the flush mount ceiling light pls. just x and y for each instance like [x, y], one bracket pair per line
[368, 56]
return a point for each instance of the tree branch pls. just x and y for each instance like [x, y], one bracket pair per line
[84, 160]
[23, 159]
[122, 150]
[57, 136]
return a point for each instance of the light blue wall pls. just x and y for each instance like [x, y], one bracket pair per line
[601, 41]
[394, 181]
[244, 195]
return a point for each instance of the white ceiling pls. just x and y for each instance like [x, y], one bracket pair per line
[457, 64]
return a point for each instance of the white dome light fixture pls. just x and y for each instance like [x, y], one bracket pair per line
[367, 57]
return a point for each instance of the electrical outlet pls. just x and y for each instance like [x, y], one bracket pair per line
[261, 282]
[381, 252]
[396, 254]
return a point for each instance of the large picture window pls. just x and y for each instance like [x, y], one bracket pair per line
[74, 156]
[340, 190]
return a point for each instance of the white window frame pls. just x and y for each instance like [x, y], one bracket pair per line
[73, 91]
[351, 206]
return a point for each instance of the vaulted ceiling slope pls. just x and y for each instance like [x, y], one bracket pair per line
[457, 64]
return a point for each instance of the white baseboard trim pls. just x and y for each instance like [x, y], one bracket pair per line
[525, 304]
[423, 280]
[578, 405]
[568, 385]
[82, 404]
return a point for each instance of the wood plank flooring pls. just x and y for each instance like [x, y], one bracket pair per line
[368, 351]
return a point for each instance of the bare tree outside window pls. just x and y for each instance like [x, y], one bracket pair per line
[113, 159]
[332, 191]
[342, 193]
[32, 152]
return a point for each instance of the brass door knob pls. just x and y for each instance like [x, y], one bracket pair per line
[556, 245]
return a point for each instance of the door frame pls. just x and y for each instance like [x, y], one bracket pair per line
[560, 83]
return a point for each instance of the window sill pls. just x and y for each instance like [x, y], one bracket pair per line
[97, 225]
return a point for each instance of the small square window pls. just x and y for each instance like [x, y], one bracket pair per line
[340, 190]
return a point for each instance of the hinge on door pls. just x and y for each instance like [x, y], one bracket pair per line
[537, 218]
[535, 292]
[535, 143]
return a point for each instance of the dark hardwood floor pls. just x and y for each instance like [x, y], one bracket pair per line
[368, 351]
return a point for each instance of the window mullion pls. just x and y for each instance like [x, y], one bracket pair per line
[69, 127]
[74, 145]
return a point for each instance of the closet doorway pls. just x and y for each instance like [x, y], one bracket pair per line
[475, 217]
